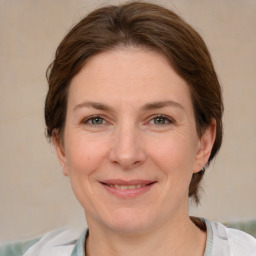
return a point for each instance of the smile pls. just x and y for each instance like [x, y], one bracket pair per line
[127, 189]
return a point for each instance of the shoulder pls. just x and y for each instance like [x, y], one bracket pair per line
[242, 241]
[54, 243]
[17, 248]
[233, 241]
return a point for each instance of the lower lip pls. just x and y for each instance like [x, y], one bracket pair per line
[128, 193]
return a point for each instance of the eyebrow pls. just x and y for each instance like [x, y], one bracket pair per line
[162, 104]
[95, 105]
[148, 106]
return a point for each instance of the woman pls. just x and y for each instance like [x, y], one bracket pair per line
[134, 109]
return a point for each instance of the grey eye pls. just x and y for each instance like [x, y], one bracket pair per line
[96, 120]
[161, 120]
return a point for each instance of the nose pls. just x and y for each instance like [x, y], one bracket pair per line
[127, 149]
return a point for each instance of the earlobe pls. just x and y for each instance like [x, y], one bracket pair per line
[60, 151]
[205, 146]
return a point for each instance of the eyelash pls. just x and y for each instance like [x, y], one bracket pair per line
[167, 120]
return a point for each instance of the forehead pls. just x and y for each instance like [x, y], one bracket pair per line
[128, 75]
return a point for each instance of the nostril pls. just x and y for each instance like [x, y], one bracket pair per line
[126, 154]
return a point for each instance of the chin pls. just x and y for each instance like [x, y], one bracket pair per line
[129, 221]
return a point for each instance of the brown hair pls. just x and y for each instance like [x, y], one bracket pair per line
[144, 25]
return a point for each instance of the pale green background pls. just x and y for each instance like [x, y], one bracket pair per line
[34, 195]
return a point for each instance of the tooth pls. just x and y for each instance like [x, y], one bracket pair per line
[123, 187]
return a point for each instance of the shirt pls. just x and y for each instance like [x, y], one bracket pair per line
[221, 241]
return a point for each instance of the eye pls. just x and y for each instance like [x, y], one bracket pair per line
[161, 120]
[95, 121]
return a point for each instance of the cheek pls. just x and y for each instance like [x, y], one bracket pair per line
[84, 155]
[174, 152]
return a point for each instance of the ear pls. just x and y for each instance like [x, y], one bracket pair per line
[60, 151]
[205, 146]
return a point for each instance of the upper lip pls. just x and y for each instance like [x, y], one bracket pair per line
[127, 182]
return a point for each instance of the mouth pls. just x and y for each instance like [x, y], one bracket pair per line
[124, 187]
[127, 189]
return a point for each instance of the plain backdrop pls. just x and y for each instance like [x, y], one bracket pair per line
[35, 196]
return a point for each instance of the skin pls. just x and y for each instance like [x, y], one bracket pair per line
[130, 117]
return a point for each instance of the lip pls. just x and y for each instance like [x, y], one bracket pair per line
[127, 182]
[133, 192]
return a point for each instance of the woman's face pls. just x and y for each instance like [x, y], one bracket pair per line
[130, 141]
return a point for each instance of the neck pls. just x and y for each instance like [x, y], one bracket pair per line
[177, 238]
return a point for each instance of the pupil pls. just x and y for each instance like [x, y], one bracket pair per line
[159, 120]
[97, 121]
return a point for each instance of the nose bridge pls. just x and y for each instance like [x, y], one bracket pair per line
[127, 149]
